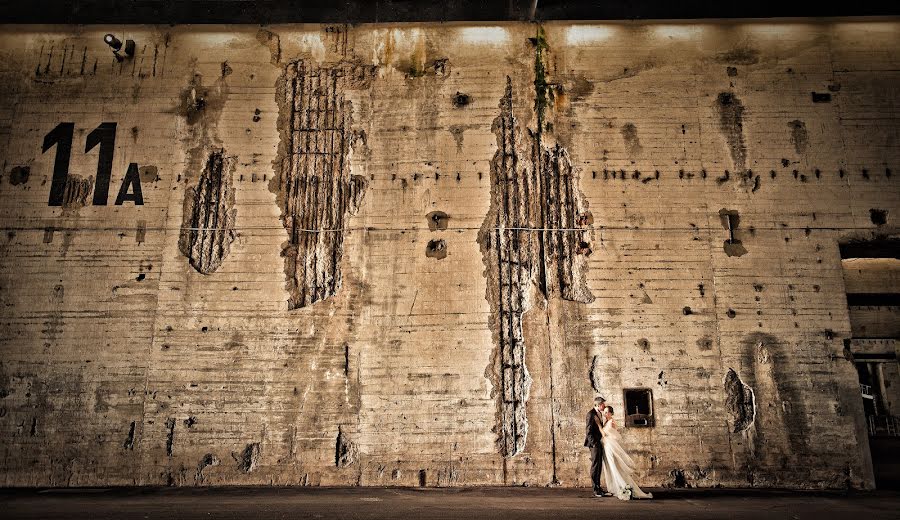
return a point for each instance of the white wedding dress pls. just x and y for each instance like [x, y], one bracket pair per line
[618, 466]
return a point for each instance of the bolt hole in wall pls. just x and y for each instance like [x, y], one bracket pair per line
[872, 280]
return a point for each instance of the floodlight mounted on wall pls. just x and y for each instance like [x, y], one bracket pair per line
[116, 45]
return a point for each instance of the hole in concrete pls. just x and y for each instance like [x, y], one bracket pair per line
[436, 249]
[460, 100]
[638, 407]
[437, 220]
[878, 216]
[678, 479]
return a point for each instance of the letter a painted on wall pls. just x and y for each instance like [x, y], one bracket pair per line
[133, 179]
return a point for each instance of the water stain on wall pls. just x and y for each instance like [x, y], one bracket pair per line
[731, 123]
[799, 136]
[632, 143]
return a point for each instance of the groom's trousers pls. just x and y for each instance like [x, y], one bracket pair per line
[596, 463]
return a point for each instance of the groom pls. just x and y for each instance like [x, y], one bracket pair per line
[593, 440]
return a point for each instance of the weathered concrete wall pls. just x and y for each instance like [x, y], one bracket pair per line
[411, 255]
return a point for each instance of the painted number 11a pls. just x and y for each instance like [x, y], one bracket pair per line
[105, 136]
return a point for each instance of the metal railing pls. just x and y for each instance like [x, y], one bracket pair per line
[883, 425]
[866, 390]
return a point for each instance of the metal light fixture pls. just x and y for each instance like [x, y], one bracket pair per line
[116, 45]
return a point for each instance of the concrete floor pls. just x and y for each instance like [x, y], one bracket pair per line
[468, 503]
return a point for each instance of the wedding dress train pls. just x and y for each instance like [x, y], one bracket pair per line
[618, 466]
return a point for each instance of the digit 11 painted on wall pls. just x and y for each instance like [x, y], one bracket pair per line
[105, 136]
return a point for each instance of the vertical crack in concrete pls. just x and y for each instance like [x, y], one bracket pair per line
[209, 215]
[739, 401]
[531, 237]
[314, 185]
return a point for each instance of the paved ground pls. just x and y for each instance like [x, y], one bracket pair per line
[466, 503]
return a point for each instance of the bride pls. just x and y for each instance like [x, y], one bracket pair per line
[617, 464]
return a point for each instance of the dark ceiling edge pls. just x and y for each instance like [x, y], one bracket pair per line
[478, 23]
[267, 12]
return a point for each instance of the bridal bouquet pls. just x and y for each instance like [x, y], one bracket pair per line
[626, 493]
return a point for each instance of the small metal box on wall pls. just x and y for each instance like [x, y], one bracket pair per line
[638, 407]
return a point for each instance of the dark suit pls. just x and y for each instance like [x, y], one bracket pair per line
[593, 439]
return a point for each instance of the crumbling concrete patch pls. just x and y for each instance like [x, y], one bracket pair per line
[739, 401]
[314, 186]
[345, 450]
[678, 479]
[209, 215]
[76, 191]
[206, 461]
[271, 41]
[731, 123]
[249, 458]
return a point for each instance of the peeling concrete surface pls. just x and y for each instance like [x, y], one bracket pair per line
[209, 215]
[739, 401]
[315, 187]
[527, 239]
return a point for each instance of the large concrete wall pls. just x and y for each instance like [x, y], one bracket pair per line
[286, 307]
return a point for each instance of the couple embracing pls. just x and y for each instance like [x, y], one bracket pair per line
[611, 466]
